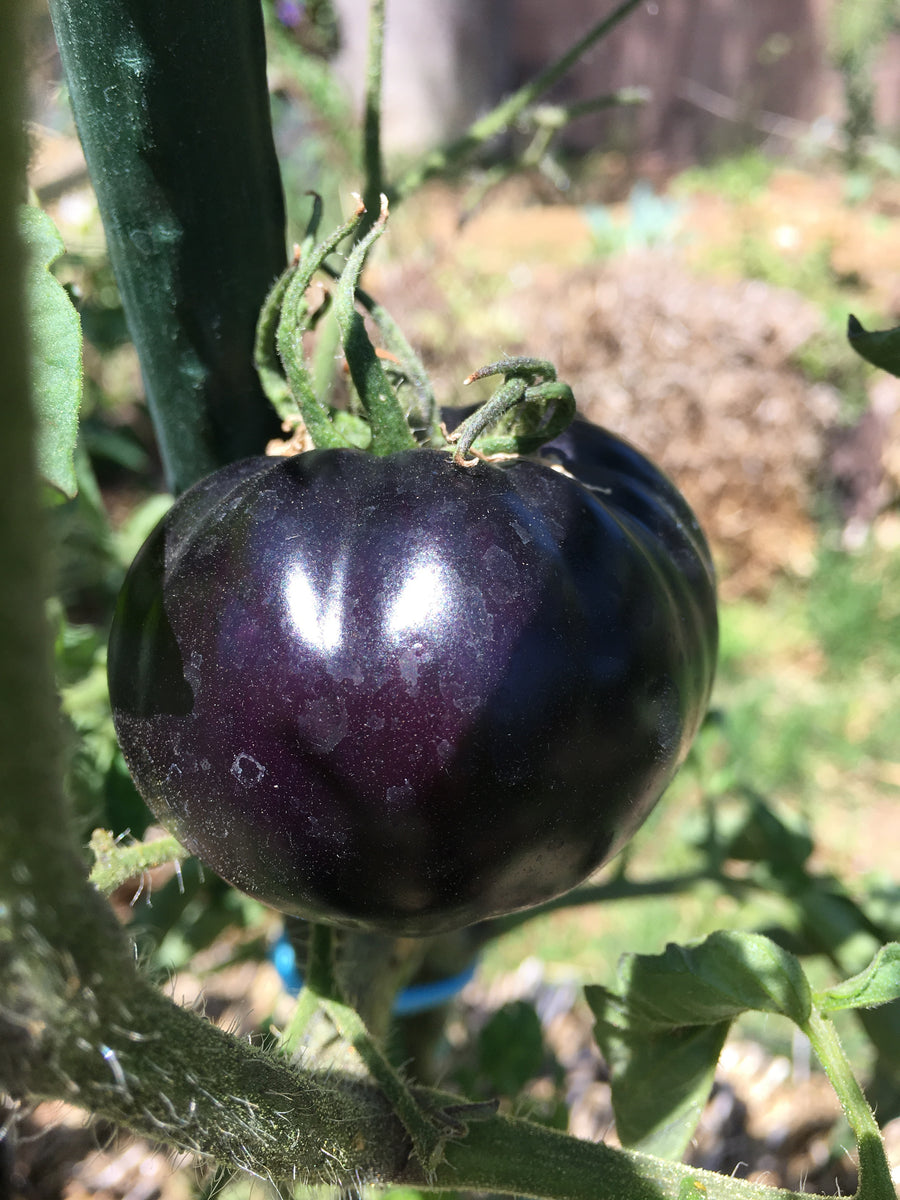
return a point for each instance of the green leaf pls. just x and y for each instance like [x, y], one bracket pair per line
[56, 369]
[662, 1029]
[881, 348]
[511, 1047]
[878, 984]
[716, 980]
[660, 1082]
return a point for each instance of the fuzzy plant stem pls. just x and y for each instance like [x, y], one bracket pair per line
[874, 1172]
[372, 117]
[42, 890]
[172, 107]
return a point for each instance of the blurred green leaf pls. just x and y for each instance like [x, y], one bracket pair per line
[511, 1047]
[881, 348]
[56, 366]
[117, 446]
[878, 984]
[139, 524]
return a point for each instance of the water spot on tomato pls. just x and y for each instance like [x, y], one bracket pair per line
[400, 796]
[408, 663]
[246, 770]
[323, 723]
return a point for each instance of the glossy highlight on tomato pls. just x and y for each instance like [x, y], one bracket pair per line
[404, 695]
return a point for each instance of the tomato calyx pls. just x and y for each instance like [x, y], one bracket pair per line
[530, 407]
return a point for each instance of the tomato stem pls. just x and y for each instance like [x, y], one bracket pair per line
[874, 1171]
[429, 1126]
[372, 113]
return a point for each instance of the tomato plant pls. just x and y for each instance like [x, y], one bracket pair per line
[535, 633]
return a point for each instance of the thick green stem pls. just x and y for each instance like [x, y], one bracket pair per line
[42, 876]
[173, 111]
[125, 1052]
[514, 1157]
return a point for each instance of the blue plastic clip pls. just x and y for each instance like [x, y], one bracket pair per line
[419, 997]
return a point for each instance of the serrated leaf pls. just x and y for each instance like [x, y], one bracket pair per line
[56, 366]
[879, 347]
[878, 984]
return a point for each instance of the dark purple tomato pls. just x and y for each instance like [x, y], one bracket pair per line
[403, 695]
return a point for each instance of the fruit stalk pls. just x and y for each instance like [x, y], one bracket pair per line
[372, 116]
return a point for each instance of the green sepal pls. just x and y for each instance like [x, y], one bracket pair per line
[425, 415]
[877, 984]
[529, 408]
[56, 362]
[880, 347]
[279, 355]
[353, 429]
[387, 418]
[544, 411]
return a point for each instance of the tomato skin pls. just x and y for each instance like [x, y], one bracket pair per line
[403, 695]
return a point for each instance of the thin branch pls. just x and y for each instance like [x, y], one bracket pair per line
[773, 124]
[617, 888]
[501, 118]
[875, 1181]
[372, 160]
